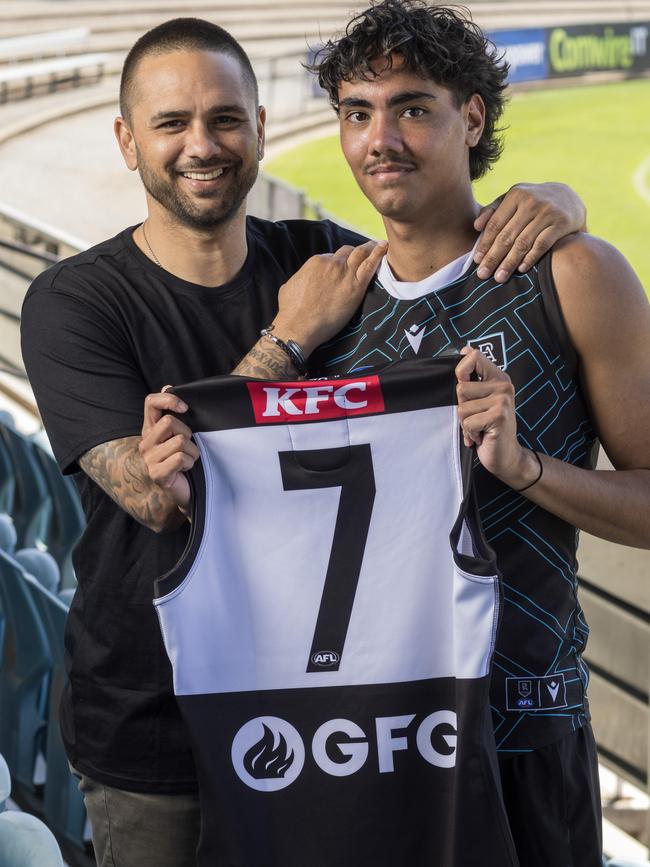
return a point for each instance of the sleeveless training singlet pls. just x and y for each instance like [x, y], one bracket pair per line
[539, 679]
[331, 626]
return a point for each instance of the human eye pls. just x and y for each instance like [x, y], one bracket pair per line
[171, 125]
[413, 111]
[225, 120]
[356, 116]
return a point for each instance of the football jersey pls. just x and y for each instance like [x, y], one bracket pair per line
[331, 626]
[539, 678]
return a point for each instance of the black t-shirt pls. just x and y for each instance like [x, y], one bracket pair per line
[100, 331]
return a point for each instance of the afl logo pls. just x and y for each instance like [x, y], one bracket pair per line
[325, 658]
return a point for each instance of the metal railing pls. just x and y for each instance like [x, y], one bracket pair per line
[615, 594]
[27, 247]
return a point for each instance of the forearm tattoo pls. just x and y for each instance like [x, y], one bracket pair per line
[266, 361]
[119, 470]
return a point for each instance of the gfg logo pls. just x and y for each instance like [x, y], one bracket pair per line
[268, 753]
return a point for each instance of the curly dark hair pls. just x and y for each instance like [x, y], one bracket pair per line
[436, 42]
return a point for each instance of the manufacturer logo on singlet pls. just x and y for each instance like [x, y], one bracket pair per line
[275, 403]
[268, 753]
[414, 336]
[493, 347]
[553, 689]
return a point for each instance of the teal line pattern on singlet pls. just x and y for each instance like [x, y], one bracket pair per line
[551, 418]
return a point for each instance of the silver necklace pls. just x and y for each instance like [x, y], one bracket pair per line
[146, 240]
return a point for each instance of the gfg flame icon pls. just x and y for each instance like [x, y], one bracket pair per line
[268, 754]
[268, 760]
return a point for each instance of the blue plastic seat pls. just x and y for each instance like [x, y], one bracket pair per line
[24, 675]
[7, 480]
[67, 519]
[8, 535]
[32, 502]
[5, 783]
[63, 802]
[616, 862]
[41, 565]
[25, 841]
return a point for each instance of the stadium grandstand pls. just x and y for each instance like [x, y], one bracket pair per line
[62, 188]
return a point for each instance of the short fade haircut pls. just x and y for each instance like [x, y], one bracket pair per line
[435, 42]
[182, 34]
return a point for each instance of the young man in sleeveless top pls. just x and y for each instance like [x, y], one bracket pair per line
[554, 359]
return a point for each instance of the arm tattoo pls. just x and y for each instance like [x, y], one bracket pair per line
[266, 361]
[120, 471]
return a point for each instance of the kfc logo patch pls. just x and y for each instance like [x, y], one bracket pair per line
[281, 402]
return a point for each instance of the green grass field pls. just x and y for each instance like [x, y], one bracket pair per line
[595, 138]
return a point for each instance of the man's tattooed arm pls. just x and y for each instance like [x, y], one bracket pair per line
[266, 361]
[119, 470]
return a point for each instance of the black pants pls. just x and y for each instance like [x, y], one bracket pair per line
[552, 797]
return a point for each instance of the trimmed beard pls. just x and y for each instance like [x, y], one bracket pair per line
[223, 209]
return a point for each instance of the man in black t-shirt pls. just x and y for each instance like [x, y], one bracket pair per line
[178, 298]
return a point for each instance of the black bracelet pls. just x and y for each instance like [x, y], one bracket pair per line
[539, 475]
[291, 349]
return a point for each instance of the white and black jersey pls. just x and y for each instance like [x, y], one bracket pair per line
[331, 626]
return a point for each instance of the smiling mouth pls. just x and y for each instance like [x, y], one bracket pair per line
[203, 176]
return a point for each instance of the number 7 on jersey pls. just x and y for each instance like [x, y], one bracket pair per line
[349, 468]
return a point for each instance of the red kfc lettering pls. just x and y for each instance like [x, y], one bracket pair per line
[312, 401]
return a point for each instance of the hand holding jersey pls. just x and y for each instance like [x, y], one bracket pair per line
[166, 445]
[486, 411]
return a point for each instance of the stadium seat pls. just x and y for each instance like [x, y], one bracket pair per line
[7, 534]
[41, 565]
[25, 841]
[63, 803]
[32, 503]
[24, 675]
[41, 439]
[7, 480]
[66, 519]
[616, 862]
[66, 596]
[5, 783]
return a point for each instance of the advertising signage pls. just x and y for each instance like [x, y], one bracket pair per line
[598, 48]
[562, 52]
[525, 51]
